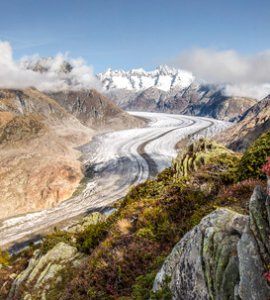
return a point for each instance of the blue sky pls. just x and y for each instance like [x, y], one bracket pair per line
[133, 33]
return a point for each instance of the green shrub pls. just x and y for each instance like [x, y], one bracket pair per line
[142, 287]
[54, 238]
[91, 236]
[254, 158]
[155, 224]
[4, 258]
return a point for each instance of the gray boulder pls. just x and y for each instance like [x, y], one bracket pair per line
[224, 257]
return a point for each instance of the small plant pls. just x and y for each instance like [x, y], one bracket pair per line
[266, 170]
[88, 239]
[267, 276]
[4, 258]
[251, 163]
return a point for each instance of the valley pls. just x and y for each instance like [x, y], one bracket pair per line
[113, 162]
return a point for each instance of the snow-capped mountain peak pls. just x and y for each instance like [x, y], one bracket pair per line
[163, 78]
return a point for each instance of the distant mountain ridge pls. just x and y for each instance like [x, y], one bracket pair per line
[171, 90]
[164, 89]
[163, 78]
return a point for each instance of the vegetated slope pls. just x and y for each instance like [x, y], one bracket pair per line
[125, 251]
[155, 214]
[95, 110]
[38, 164]
[251, 125]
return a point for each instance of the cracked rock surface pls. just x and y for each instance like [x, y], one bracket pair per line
[223, 257]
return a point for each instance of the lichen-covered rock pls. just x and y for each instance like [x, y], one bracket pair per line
[42, 270]
[224, 257]
[203, 265]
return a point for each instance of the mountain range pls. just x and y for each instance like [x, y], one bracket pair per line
[164, 89]
[170, 90]
[163, 78]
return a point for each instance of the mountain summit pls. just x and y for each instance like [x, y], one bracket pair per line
[163, 78]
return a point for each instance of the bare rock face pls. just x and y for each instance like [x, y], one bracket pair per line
[224, 257]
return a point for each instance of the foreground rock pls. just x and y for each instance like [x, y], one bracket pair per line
[44, 271]
[224, 257]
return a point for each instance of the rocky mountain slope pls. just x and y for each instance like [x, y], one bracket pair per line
[250, 126]
[38, 165]
[95, 110]
[195, 100]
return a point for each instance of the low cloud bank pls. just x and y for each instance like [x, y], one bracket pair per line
[46, 74]
[242, 75]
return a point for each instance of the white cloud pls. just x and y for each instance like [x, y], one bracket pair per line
[245, 75]
[20, 74]
[257, 91]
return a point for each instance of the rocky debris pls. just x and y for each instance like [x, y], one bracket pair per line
[44, 270]
[224, 257]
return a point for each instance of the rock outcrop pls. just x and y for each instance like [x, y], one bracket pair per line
[224, 257]
[44, 270]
